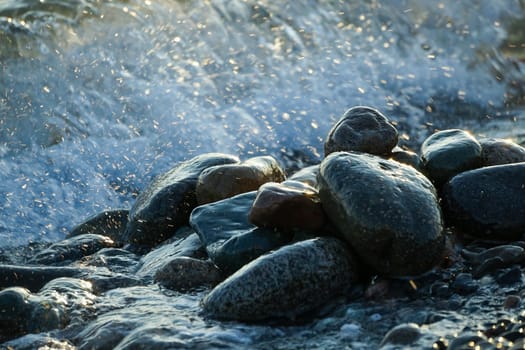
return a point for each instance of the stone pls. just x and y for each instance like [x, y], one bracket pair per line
[387, 211]
[406, 157]
[231, 241]
[512, 302]
[362, 129]
[14, 312]
[287, 206]
[225, 181]
[110, 223]
[184, 273]
[306, 175]
[116, 260]
[166, 203]
[447, 153]
[286, 283]
[403, 334]
[35, 277]
[72, 249]
[500, 151]
[487, 203]
[186, 244]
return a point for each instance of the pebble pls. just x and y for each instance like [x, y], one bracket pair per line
[403, 334]
[110, 223]
[500, 151]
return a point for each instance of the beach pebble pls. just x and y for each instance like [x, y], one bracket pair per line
[447, 153]
[306, 175]
[285, 283]
[225, 181]
[184, 273]
[231, 241]
[487, 203]
[388, 212]
[72, 249]
[500, 151]
[362, 129]
[110, 223]
[286, 206]
[512, 302]
[166, 203]
[403, 334]
[406, 157]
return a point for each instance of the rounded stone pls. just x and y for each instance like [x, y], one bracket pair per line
[166, 203]
[406, 157]
[488, 202]
[225, 181]
[500, 151]
[306, 175]
[285, 283]
[184, 273]
[287, 206]
[110, 223]
[387, 211]
[362, 129]
[15, 308]
[403, 334]
[449, 152]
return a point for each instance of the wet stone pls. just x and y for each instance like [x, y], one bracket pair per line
[447, 153]
[306, 175]
[166, 203]
[509, 277]
[231, 241]
[512, 302]
[288, 282]
[403, 334]
[287, 206]
[72, 249]
[464, 284]
[406, 157]
[388, 212]
[114, 259]
[470, 341]
[362, 129]
[487, 203]
[500, 151]
[225, 181]
[183, 274]
[110, 223]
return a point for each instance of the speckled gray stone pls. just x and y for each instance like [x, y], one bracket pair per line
[184, 273]
[362, 129]
[387, 211]
[500, 151]
[285, 283]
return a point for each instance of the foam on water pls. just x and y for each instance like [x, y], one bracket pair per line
[97, 97]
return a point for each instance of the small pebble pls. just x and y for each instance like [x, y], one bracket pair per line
[512, 302]
[350, 330]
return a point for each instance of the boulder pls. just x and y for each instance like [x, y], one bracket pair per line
[362, 129]
[500, 151]
[231, 241]
[488, 202]
[166, 203]
[387, 211]
[287, 206]
[286, 283]
[447, 153]
[225, 181]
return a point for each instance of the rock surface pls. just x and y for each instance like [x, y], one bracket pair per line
[166, 203]
[488, 202]
[110, 223]
[500, 151]
[362, 129]
[287, 206]
[184, 273]
[388, 212]
[225, 181]
[231, 241]
[449, 152]
[285, 283]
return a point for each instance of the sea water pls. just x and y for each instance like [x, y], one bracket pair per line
[99, 96]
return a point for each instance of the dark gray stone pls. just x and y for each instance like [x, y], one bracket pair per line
[225, 181]
[72, 249]
[231, 241]
[449, 152]
[403, 334]
[285, 283]
[183, 274]
[406, 157]
[500, 151]
[110, 223]
[306, 175]
[488, 202]
[166, 203]
[387, 211]
[362, 129]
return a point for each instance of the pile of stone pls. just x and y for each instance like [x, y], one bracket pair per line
[273, 246]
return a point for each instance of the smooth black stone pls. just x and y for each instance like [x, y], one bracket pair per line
[35, 277]
[110, 223]
[488, 202]
[509, 277]
[464, 284]
[166, 203]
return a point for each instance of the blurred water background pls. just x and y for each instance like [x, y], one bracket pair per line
[99, 96]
